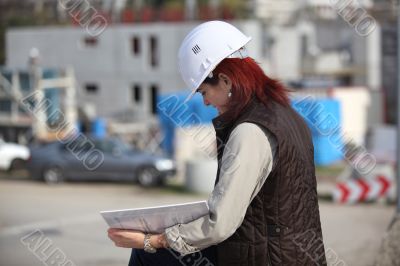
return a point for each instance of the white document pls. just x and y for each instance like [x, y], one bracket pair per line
[155, 219]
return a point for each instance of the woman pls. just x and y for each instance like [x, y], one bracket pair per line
[264, 208]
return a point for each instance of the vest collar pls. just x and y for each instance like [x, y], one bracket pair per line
[222, 121]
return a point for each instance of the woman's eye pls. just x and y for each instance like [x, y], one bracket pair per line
[202, 92]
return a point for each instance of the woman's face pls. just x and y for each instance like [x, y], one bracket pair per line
[217, 95]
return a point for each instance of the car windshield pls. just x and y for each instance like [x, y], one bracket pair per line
[123, 146]
[112, 145]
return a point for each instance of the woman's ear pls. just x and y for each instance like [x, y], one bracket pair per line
[225, 79]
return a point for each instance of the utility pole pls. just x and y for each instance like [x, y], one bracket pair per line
[39, 115]
[190, 9]
[398, 109]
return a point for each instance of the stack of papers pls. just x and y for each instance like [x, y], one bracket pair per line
[155, 219]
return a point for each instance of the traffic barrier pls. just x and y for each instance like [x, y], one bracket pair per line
[360, 190]
[379, 184]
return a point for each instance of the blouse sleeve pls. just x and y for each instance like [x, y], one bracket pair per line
[246, 163]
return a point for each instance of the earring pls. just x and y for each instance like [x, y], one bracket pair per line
[230, 94]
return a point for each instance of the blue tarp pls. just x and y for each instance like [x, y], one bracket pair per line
[321, 115]
[173, 113]
[324, 120]
[99, 128]
[53, 95]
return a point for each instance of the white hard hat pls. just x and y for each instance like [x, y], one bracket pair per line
[205, 47]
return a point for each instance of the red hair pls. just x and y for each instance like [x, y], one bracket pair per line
[248, 80]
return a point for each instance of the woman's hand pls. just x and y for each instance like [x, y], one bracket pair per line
[135, 239]
[126, 238]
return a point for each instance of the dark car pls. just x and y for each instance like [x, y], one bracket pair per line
[86, 158]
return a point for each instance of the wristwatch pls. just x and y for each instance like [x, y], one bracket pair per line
[147, 245]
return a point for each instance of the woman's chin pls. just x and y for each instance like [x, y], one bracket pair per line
[220, 112]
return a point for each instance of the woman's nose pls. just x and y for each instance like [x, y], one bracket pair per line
[205, 101]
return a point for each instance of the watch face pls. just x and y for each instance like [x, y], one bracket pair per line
[151, 250]
[148, 248]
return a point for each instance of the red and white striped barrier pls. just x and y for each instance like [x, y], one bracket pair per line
[360, 190]
[377, 185]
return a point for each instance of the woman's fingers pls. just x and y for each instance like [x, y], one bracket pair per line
[111, 230]
[126, 238]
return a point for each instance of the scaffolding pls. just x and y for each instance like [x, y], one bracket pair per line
[31, 109]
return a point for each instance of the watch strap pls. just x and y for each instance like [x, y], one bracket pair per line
[147, 245]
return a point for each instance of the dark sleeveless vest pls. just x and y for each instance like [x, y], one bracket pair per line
[282, 224]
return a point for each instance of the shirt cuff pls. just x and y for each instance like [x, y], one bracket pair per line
[177, 243]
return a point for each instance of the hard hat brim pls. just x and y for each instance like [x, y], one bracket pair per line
[190, 96]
